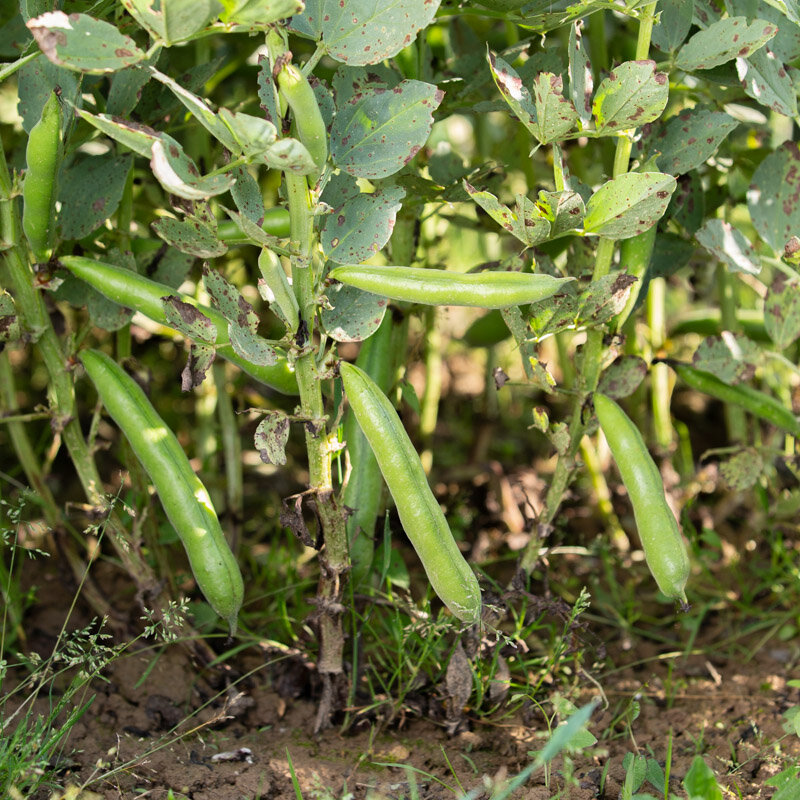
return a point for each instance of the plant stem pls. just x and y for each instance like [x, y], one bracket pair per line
[591, 361]
[735, 417]
[429, 407]
[659, 373]
[334, 559]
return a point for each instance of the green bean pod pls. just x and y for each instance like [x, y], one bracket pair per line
[364, 486]
[635, 255]
[311, 129]
[39, 189]
[439, 287]
[419, 512]
[184, 498]
[664, 548]
[134, 291]
[753, 401]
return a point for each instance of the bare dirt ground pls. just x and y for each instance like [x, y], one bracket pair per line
[159, 722]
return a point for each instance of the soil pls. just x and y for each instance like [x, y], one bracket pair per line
[160, 721]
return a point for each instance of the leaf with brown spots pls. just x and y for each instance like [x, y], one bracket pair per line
[632, 95]
[782, 311]
[173, 20]
[774, 196]
[353, 315]
[766, 79]
[623, 377]
[271, 437]
[628, 205]
[80, 42]
[732, 358]
[369, 31]
[730, 246]
[723, 41]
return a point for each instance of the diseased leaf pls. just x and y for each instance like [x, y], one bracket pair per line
[268, 96]
[605, 298]
[246, 193]
[628, 205]
[786, 44]
[369, 31]
[732, 358]
[514, 93]
[229, 301]
[766, 80]
[500, 213]
[774, 196]
[623, 377]
[189, 320]
[354, 315]
[201, 357]
[173, 20]
[730, 246]
[633, 94]
[190, 236]
[724, 40]
[361, 227]
[252, 347]
[377, 133]
[80, 42]
[458, 680]
[9, 321]
[691, 138]
[89, 191]
[555, 115]
[565, 210]
[534, 226]
[581, 83]
[782, 311]
[743, 470]
[271, 437]
[179, 175]
[254, 136]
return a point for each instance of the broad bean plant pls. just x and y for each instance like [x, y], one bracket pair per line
[633, 201]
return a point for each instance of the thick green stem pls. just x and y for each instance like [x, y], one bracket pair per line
[591, 360]
[231, 446]
[334, 560]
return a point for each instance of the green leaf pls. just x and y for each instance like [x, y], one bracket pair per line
[722, 41]
[353, 315]
[691, 138]
[673, 25]
[377, 133]
[89, 191]
[369, 31]
[361, 227]
[555, 115]
[774, 196]
[700, 783]
[766, 79]
[132, 135]
[633, 94]
[173, 20]
[289, 155]
[200, 110]
[229, 301]
[80, 42]
[179, 175]
[565, 734]
[782, 311]
[258, 14]
[271, 437]
[580, 75]
[254, 136]
[635, 767]
[500, 213]
[628, 205]
[126, 88]
[534, 226]
[190, 236]
[514, 93]
[787, 781]
[730, 246]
